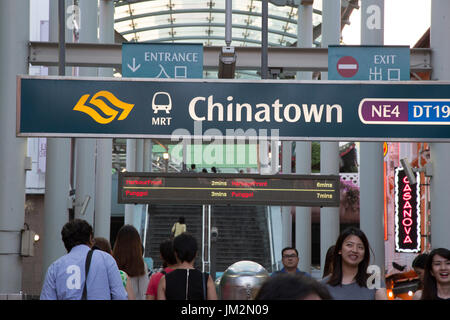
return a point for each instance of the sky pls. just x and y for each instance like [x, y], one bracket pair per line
[405, 21]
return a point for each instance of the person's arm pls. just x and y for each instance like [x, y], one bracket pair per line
[183, 228]
[381, 294]
[211, 289]
[150, 294]
[417, 295]
[116, 287]
[129, 290]
[49, 287]
[162, 289]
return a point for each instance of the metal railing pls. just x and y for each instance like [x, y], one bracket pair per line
[273, 263]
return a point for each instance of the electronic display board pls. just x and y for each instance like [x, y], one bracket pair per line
[206, 188]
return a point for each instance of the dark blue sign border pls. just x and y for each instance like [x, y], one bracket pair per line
[285, 110]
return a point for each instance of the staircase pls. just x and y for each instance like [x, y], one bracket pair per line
[243, 233]
[160, 221]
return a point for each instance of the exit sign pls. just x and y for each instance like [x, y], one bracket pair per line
[387, 63]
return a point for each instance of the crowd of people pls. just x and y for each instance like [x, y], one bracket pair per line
[93, 270]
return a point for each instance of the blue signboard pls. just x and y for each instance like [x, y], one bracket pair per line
[288, 110]
[385, 63]
[161, 60]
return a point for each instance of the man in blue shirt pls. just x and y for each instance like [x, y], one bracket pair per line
[66, 276]
[290, 262]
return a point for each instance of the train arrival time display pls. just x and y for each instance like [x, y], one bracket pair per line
[208, 188]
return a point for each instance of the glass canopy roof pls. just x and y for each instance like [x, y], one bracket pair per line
[203, 21]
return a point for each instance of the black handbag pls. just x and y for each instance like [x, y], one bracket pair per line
[86, 267]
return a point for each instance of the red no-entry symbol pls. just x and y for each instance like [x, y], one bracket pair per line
[347, 66]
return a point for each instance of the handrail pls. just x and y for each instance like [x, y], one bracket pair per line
[270, 228]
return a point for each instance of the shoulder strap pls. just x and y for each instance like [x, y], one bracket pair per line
[87, 265]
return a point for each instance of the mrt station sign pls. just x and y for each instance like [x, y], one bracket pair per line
[230, 109]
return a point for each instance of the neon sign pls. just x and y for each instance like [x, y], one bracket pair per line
[407, 213]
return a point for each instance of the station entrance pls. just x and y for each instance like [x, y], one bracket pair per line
[229, 214]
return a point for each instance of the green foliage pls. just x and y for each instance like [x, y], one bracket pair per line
[315, 157]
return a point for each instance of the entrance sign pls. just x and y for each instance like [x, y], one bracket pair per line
[201, 188]
[407, 213]
[196, 108]
[386, 63]
[162, 60]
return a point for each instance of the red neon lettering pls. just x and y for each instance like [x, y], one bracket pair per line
[407, 213]
[407, 196]
[407, 188]
[407, 221]
[410, 222]
[407, 240]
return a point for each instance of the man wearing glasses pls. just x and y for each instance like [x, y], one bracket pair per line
[290, 261]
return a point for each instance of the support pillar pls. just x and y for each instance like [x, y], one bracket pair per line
[440, 152]
[371, 173]
[103, 170]
[130, 166]
[329, 151]
[57, 175]
[303, 149]
[86, 147]
[14, 36]
[286, 217]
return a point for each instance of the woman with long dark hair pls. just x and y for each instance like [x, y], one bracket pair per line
[328, 265]
[349, 278]
[436, 278]
[128, 252]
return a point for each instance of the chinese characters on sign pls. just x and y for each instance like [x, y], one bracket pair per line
[382, 68]
[161, 60]
[386, 63]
